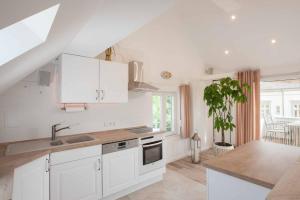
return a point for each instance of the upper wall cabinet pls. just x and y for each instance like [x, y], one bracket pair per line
[113, 82]
[79, 79]
[88, 80]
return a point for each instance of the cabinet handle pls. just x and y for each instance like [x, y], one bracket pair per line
[47, 165]
[102, 94]
[99, 164]
[98, 94]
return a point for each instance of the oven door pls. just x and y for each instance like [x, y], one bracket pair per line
[152, 152]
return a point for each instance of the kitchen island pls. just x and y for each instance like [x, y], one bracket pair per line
[250, 171]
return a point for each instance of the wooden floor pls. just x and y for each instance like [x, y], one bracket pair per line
[195, 172]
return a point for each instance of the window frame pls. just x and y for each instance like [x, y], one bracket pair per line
[293, 104]
[163, 100]
[263, 105]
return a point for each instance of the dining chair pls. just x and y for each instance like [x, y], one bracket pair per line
[275, 131]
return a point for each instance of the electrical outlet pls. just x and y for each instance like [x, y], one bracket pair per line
[109, 124]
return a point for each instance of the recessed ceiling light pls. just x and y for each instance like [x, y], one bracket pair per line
[273, 41]
[226, 52]
[233, 17]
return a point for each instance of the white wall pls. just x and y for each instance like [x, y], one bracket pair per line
[28, 110]
[201, 122]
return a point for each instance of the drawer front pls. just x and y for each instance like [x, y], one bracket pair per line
[75, 154]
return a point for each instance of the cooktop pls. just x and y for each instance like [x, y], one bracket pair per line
[141, 130]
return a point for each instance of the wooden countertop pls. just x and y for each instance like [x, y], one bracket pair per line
[288, 187]
[262, 163]
[9, 162]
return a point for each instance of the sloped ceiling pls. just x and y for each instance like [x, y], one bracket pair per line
[82, 27]
[189, 37]
[70, 18]
[113, 21]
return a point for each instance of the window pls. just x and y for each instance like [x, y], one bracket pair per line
[295, 109]
[26, 34]
[163, 111]
[265, 108]
[277, 110]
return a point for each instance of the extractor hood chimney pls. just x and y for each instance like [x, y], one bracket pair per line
[136, 82]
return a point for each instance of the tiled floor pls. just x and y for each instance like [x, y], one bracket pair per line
[182, 181]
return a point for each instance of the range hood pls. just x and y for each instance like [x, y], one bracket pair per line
[136, 82]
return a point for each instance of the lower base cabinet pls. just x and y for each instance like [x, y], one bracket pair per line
[76, 180]
[120, 170]
[76, 174]
[31, 181]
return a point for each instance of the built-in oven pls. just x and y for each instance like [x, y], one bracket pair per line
[151, 154]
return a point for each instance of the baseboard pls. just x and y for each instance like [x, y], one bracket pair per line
[179, 157]
[184, 155]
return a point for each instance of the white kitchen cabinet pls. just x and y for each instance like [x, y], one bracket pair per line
[31, 181]
[113, 82]
[76, 174]
[79, 79]
[120, 170]
[76, 180]
[89, 80]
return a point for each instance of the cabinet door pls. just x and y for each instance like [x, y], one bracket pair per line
[79, 79]
[77, 180]
[119, 170]
[113, 82]
[31, 181]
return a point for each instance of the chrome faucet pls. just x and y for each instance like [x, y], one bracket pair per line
[54, 130]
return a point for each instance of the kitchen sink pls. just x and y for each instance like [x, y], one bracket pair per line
[29, 146]
[79, 139]
[56, 143]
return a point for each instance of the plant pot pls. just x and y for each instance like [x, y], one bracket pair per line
[221, 148]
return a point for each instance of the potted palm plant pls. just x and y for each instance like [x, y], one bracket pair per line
[220, 97]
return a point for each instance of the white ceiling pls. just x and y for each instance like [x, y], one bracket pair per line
[198, 32]
[190, 36]
[209, 26]
[113, 21]
[70, 18]
[93, 24]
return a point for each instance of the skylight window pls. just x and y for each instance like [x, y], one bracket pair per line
[26, 34]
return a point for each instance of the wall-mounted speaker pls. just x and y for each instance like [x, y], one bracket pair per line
[44, 78]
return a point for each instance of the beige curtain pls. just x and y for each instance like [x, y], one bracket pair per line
[248, 114]
[185, 110]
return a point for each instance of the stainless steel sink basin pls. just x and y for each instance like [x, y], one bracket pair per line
[56, 143]
[79, 139]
